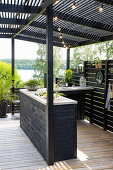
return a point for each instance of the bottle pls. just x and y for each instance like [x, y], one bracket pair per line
[82, 81]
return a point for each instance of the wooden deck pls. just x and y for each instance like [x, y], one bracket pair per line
[95, 149]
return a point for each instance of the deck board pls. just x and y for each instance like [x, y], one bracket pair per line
[16, 150]
[95, 149]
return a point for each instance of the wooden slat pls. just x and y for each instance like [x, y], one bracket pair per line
[18, 153]
[16, 150]
[94, 150]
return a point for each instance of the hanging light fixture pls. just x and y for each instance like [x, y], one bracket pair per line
[74, 5]
[55, 18]
[60, 36]
[59, 29]
[101, 8]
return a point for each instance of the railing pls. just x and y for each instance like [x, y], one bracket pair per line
[15, 106]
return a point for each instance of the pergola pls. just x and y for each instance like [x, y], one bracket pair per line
[62, 23]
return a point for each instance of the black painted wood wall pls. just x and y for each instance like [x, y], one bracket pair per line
[33, 120]
[100, 116]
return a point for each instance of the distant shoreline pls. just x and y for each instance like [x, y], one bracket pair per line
[23, 69]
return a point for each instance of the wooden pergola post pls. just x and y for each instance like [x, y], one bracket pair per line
[50, 127]
[13, 67]
[68, 59]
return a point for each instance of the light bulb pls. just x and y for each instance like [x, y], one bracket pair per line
[101, 8]
[64, 46]
[74, 5]
[59, 29]
[56, 18]
[63, 42]
[61, 36]
[57, 2]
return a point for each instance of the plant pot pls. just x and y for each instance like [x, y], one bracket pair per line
[32, 88]
[96, 66]
[3, 109]
[99, 65]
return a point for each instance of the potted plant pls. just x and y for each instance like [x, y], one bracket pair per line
[96, 62]
[32, 85]
[67, 76]
[5, 86]
[99, 64]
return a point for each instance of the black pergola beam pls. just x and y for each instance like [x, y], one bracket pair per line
[33, 17]
[107, 38]
[50, 115]
[68, 59]
[13, 68]
[64, 31]
[39, 35]
[70, 32]
[83, 21]
[5, 36]
[55, 38]
[8, 30]
[13, 52]
[13, 21]
[19, 9]
[36, 40]
[107, 2]
[87, 43]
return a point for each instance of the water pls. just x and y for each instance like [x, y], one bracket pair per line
[26, 74]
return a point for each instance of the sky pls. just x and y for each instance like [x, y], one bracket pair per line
[23, 49]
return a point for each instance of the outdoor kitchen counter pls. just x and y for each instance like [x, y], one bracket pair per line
[79, 94]
[76, 89]
[58, 101]
[33, 120]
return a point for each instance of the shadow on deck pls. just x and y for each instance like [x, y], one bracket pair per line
[95, 149]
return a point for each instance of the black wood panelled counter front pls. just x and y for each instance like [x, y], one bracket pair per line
[33, 121]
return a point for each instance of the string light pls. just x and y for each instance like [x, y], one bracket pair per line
[101, 8]
[59, 29]
[57, 2]
[60, 36]
[56, 18]
[74, 5]
[63, 42]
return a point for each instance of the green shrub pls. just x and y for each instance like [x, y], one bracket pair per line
[6, 81]
[68, 76]
[32, 83]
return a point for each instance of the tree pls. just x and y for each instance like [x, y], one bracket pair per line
[106, 50]
[100, 51]
[85, 53]
[40, 64]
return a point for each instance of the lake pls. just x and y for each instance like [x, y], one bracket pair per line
[26, 74]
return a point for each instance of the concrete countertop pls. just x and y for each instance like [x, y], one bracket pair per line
[76, 88]
[57, 101]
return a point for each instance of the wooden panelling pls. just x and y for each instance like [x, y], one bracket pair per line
[33, 121]
[100, 116]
